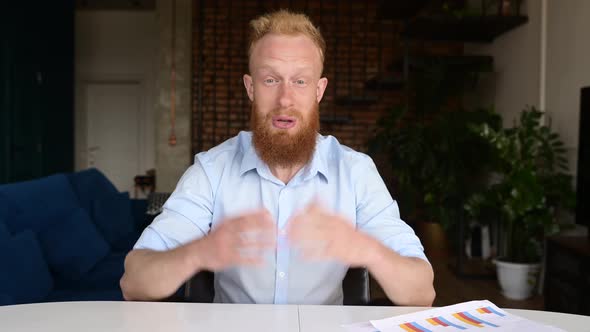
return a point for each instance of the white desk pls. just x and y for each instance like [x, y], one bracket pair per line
[195, 317]
[147, 316]
[329, 318]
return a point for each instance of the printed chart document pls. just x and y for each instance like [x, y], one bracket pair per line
[468, 316]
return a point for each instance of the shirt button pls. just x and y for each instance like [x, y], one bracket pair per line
[282, 274]
[283, 232]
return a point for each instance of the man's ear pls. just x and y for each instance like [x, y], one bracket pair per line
[249, 85]
[321, 88]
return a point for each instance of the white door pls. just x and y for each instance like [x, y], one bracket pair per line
[113, 120]
[115, 93]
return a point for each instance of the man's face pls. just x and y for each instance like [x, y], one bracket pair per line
[285, 88]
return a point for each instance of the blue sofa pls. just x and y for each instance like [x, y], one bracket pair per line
[64, 238]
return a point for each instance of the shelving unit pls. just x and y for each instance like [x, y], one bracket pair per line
[478, 29]
[423, 21]
[398, 10]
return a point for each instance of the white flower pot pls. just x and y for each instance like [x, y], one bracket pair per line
[517, 280]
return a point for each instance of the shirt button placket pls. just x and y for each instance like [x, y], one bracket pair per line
[282, 282]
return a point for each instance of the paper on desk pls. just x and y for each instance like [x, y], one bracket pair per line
[468, 316]
[360, 327]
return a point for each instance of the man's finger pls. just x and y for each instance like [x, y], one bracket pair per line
[314, 253]
[250, 261]
[262, 240]
[258, 220]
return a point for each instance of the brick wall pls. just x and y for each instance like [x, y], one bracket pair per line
[360, 46]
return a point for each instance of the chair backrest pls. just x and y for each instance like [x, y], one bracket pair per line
[200, 288]
[355, 287]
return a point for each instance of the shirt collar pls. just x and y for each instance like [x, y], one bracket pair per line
[318, 164]
[250, 160]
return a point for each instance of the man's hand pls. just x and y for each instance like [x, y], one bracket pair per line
[241, 240]
[321, 235]
[153, 275]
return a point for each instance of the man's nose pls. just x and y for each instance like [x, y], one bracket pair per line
[286, 95]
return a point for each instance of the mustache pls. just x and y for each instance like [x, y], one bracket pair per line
[292, 112]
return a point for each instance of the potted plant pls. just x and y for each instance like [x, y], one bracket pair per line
[435, 161]
[531, 189]
[431, 160]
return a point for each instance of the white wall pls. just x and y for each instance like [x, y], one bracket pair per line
[518, 67]
[172, 161]
[568, 67]
[137, 45]
[116, 46]
[515, 82]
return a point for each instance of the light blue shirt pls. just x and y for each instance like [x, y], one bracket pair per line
[230, 179]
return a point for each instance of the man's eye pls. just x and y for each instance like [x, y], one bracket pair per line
[270, 81]
[300, 82]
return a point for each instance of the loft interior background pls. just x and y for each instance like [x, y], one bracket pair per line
[364, 57]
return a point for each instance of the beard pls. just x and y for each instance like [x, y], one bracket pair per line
[281, 147]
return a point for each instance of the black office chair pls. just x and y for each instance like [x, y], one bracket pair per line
[355, 287]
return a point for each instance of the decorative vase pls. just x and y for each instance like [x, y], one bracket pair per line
[517, 280]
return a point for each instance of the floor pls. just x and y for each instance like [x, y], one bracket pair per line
[451, 289]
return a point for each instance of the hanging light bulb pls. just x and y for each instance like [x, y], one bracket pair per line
[172, 138]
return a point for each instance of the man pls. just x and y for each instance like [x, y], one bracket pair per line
[280, 213]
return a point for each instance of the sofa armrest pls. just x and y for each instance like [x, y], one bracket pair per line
[140, 217]
[6, 300]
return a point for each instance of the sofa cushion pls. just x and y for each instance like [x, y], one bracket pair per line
[140, 217]
[74, 245]
[4, 233]
[25, 277]
[126, 243]
[91, 184]
[8, 209]
[6, 299]
[35, 220]
[112, 216]
[52, 194]
[106, 274]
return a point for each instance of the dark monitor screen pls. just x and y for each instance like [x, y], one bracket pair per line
[583, 171]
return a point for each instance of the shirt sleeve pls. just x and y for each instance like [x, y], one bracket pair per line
[378, 214]
[186, 215]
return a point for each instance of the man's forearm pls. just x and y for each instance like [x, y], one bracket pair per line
[405, 280]
[154, 275]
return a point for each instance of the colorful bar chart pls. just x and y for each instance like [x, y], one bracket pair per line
[472, 320]
[441, 321]
[489, 310]
[481, 316]
[464, 317]
[414, 327]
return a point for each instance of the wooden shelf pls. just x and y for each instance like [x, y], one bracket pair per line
[479, 29]
[576, 244]
[465, 63]
[567, 277]
[399, 9]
